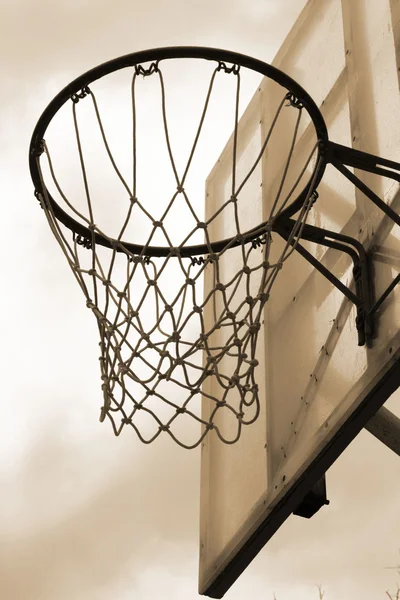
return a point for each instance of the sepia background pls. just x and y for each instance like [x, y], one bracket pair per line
[85, 515]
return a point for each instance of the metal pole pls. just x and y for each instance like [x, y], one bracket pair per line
[385, 426]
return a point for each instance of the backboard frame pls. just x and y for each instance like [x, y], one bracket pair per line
[226, 554]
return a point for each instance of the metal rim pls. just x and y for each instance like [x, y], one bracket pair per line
[159, 54]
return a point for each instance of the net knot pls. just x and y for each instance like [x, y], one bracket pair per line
[175, 337]
[263, 297]
[123, 369]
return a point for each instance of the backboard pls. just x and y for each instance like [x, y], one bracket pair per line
[317, 387]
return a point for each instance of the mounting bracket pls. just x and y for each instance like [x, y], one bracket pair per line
[342, 157]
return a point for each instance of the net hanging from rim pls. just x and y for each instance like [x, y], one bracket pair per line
[158, 332]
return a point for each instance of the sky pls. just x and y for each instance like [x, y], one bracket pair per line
[85, 515]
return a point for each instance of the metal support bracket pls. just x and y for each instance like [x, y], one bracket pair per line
[363, 294]
[363, 297]
[385, 426]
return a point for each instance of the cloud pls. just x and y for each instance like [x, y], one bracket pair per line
[79, 533]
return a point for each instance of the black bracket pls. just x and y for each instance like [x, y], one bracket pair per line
[313, 501]
[363, 296]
